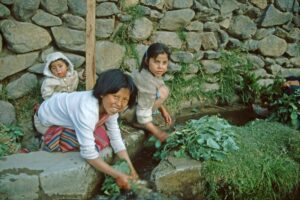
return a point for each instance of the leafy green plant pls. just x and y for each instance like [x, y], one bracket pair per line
[285, 109]
[110, 187]
[3, 94]
[121, 36]
[182, 34]
[10, 137]
[208, 138]
[135, 11]
[231, 77]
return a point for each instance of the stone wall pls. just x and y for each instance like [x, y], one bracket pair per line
[30, 29]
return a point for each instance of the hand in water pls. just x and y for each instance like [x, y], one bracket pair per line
[123, 182]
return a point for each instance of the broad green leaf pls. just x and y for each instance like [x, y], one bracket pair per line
[157, 144]
[212, 143]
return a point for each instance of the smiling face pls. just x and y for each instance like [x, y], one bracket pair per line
[159, 65]
[59, 68]
[117, 102]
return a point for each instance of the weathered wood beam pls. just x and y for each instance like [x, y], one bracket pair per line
[90, 44]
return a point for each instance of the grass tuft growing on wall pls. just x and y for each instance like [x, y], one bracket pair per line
[265, 167]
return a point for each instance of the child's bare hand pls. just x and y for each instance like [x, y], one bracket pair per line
[167, 117]
[82, 74]
[134, 175]
[123, 182]
[163, 136]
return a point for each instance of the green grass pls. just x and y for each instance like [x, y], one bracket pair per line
[265, 167]
[182, 89]
[24, 105]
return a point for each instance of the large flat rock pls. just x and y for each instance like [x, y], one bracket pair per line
[43, 175]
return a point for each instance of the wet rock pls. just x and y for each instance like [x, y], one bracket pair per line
[179, 177]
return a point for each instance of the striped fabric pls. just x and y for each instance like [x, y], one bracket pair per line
[60, 139]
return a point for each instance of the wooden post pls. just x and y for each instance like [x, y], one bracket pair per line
[90, 62]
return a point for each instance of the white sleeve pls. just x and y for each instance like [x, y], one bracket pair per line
[84, 123]
[114, 133]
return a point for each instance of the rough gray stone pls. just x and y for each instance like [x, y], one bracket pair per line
[242, 27]
[211, 66]
[274, 17]
[55, 7]
[272, 46]
[106, 9]
[104, 27]
[178, 4]
[110, 55]
[141, 29]
[37, 68]
[176, 19]
[21, 36]
[293, 49]
[169, 38]
[45, 19]
[179, 177]
[7, 114]
[73, 21]
[56, 176]
[209, 41]
[22, 86]
[182, 57]
[69, 39]
[23, 10]
[154, 3]
[77, 7]
[16, 63]
[4, 11]
[193, 41]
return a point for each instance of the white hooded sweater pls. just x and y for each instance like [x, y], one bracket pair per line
[53, 84]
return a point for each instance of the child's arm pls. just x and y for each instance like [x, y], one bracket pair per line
[166, 115]
[48, 88]
[124, 155]
[161, 135]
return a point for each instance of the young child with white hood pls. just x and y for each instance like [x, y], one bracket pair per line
[60, 75]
